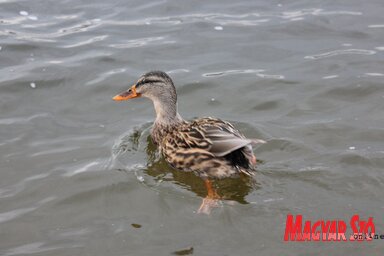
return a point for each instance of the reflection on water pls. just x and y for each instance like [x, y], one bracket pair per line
[157, 171]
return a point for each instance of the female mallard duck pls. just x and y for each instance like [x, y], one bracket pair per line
[210, 147]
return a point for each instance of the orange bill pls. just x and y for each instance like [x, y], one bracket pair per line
[130, 94]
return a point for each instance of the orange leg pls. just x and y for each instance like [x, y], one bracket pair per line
[253, 160]
[210, 201]
[211, 192]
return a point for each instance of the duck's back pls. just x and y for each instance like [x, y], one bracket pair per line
[208, 146]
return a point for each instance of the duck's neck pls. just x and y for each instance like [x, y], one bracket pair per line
[167, 118]
[166, 113]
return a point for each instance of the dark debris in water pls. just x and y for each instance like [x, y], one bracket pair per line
[187, 251]
[135, 225]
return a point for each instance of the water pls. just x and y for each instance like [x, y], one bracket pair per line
[80, 177]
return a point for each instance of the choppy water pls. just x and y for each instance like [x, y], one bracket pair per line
[78, 175]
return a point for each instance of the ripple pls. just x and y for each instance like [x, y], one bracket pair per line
[54, 142]
[285, 149]
[340, 12]
[20, 186]
[147, 21]
[268, 200]
[78, 59]
[258, 73]
[376, 26]
[105, 75]
[269, 76]
[32, 37]
[82, 169]
[330, 77]
[86, 42]
[142, 42]
[48, 37]
[53, 151]
[244, 19]
[34, 248]
[340, 52]
[12, 21]
[24, 13]
[267, 105]
[241, 22]
[74, 232]
[6, 216]
[180, 70]
[300, 14]
[22, 120]
[10, 215]
[352, 93]
[80, 27]
[374, 74]
[234, 71]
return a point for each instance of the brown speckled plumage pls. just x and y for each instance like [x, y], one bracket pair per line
[210, 147]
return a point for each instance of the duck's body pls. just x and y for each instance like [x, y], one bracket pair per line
[210, 147]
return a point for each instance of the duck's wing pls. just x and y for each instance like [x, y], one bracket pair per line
[222, 141]
[222, 138]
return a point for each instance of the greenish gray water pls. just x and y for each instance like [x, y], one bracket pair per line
[79, 176]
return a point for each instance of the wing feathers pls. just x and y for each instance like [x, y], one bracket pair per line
[222, 136]
[225, 146]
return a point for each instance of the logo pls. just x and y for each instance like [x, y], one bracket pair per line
[356, 229]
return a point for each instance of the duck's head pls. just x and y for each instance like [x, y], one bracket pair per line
[158, 87]
[154, 85]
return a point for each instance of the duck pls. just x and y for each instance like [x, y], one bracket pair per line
[209, 147]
